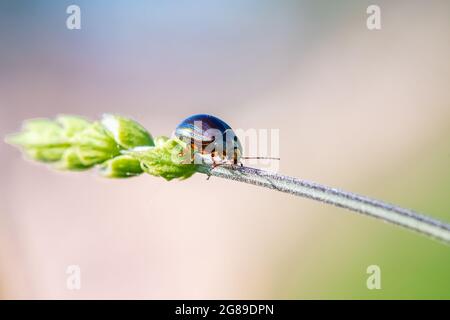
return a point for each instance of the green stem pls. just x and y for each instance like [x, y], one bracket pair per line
[387, 212]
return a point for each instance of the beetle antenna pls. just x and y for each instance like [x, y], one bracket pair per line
[270, 158]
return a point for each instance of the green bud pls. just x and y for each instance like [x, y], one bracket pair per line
[45, 154]
[72, 125]
[121, 167]
[41, 139]
[126, 132]
[71, 161]
[165, 160]
[161, 140]
[95, 145]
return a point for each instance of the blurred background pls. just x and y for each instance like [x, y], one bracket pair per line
[366, 111]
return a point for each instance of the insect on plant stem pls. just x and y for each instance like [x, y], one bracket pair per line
[122, 148]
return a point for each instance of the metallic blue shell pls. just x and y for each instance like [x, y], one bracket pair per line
[195, 128]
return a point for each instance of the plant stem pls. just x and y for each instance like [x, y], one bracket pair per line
[387, 212]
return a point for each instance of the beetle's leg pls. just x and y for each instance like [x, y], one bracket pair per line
[214, 165]
[236, 157]
[217, 164]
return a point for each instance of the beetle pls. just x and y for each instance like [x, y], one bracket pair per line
[210, 139]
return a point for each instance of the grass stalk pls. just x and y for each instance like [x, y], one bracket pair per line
[386, 212]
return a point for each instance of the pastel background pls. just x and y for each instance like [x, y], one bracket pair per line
[366, 111]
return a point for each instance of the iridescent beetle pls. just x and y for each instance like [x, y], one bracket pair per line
[211, 141]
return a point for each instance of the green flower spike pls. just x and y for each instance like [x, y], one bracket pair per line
[120, 146]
